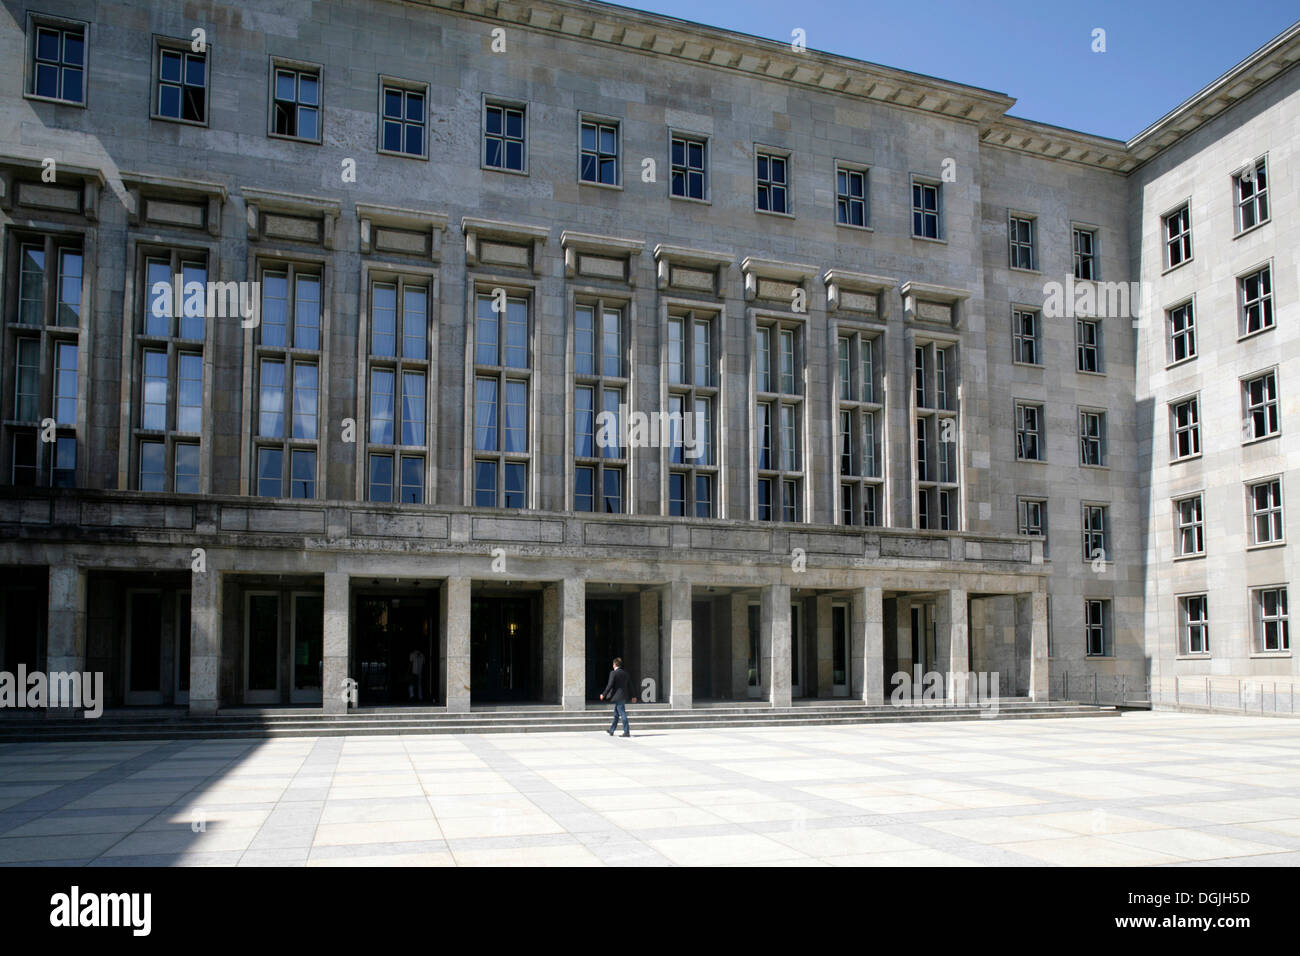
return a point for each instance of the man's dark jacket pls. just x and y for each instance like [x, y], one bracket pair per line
[616, 689]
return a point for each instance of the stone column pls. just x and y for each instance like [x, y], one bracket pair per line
[1031, 615]
[455, 644]
[205, 641]
[335, 643]
[825, 632]
[952, 622]
[572, 620]
[776, 643]
[648, 642]
[739, 645]
[868, 646]
[681, 663]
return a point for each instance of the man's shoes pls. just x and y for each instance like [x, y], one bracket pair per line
[610, 732]
[625, 735]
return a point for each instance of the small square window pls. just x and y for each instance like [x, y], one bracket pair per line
[1255, 301]
[58, 61]
[403, 119]
[598, 152]
[1189, 515]
[1272, 621]
[1085, 253]
[1182, 332]
[181, 91]
[1185, 428]
[505, 137]
[1250, 189]
[1087, 340]
[1264, 501]
[296, 103]
[1259, 395]
[1026, 340]
[1020, 235]
[689, 167]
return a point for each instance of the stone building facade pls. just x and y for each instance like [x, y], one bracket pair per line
[433, 242]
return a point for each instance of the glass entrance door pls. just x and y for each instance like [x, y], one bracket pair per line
[393, 652]
[262, 648]
[308, 617]
[502, 640]
[604, 642]
[839, 650]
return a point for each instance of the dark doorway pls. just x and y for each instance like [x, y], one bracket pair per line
[503, 646]
[605, 641]
[702, 650]
[390, 629]
[22, 621]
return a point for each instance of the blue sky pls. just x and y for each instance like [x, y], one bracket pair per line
[1158, 52]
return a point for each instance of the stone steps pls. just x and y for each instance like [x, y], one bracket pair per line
[286, 723]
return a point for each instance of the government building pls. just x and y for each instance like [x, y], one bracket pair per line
[438, 352]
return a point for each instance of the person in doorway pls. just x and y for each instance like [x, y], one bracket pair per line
[416, 687]
[616, 693]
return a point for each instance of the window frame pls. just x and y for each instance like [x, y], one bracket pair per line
[854, 169]
[1038, 432]
[863, 485]
[1192, 428]
[1183, 236]
[1093, 257]
[299, 68]
[1273, 404]
[1276, 506]
[598, 120]
[1259, 621]
[1239, 203]
[937, 185]
[1189, 332]
[184, 47]
[1092, 536]
[763, 152]
[1267, 301]
[787, 487]
[1016, 245]
[404, 86]
[1196, 526]
[1186, 624]
[504, 103]
[1082, 347]
[1105, 628]
[705, 141]
[1018, 337]
[689, 391]
[1102, 437]
[37, 21]
[502, 459]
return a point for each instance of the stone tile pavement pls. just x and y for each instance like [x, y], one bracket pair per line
[1147, 789]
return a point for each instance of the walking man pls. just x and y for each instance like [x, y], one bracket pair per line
[616, 692]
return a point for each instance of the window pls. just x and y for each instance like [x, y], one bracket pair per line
[1029, 432]
[398, 371]
[182, 83]
[773, 182]
[926, 210]
[1096, 622]
[598, 152]
[1096, 532]
[688, 156]
[1020, 234]
[1085, 253]
[1092, 438]
[287, 370]
[1272, 623]
[1255, 293]
[504, 137]
[936, 479]
[1087, 341]
[1260, 396]
[502, 377]
[296, 105]
[1185, 428]
[601, 387]
[58, 64]
[1251, 193]
[851, 203]
[1265, 503]
[1190, 517]
[1026, 338]
[693, 395]
[1178, 235]
[1182, 332]
[169, 353]
[1032, 517]
[1194, 624]
[860, 401]
[779, 415]
[402, 118]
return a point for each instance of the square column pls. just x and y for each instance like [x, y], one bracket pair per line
[65, 648]
[572, 627]
[335, 644]
[455, 608]
[648, 644]
[681, 664]
[739, 645]
[1031, 616]
[951, 612]
[868, 646]
[776, 643]
[205, 641]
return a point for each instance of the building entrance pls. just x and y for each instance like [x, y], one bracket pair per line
[390, 630]
[503, 649]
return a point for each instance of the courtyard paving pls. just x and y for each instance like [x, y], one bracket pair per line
[1146, 789]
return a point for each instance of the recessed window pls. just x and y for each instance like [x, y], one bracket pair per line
[1178, 235]
[1185, 428]
[1096, 532]
[1029, 432]
[1194, 624]
[1260, 396]
[1189, 515]
[1250, 187]
[1255, 298]
[927, 210]
[1092, 438]
[398, 371]
[1032, 517]
[402, 119]
[502, 377]
[772, 178]
[1097, 630]
[1020, 235]
[692, 397]
[182, 92]
[504, 137]
[296, 104]
[1026, 337]
[1087, 342]
[1085, 253]
[689, 158]
[1182, 332]
[851, 196]
[598, 152]
[1271, 619]
[58, 64]
[1264, 499]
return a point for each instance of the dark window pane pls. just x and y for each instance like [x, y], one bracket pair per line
[169, 101]
[307, 123]
[74, 49]
[393, 103]
[169, 67]
[47, 80]
[415, 140]
[47, 44]
[194, 70]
